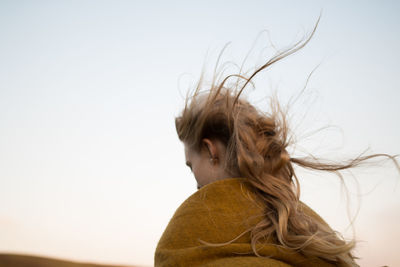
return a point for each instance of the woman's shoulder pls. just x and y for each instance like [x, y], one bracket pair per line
[232, 195]
[213, 227]
[218, 212]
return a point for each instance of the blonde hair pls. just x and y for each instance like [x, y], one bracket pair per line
[256, 145]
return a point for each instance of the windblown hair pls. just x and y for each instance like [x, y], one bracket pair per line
[256, 144]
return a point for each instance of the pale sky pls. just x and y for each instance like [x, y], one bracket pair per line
[90, 165]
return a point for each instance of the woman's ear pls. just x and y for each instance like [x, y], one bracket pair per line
[211, 147]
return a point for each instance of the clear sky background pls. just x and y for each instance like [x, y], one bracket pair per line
[90, 165]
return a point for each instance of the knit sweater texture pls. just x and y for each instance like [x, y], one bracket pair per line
[216, 214]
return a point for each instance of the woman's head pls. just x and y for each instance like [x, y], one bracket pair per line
[204, 128]
[229, 137]
[255, 143]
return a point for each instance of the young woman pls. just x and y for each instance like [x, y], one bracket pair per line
[247, 210]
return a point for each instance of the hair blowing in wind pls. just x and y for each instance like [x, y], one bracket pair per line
[257, 150]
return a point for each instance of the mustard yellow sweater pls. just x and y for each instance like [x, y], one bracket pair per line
[218, 213]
